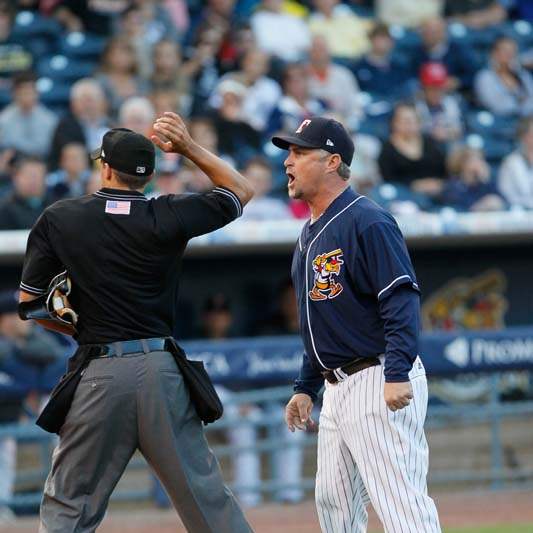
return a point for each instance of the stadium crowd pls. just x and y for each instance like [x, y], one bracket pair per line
[437, 93]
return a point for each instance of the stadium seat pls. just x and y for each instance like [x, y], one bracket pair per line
[62, 69]
[82, 45]
[52, 93]
[29, 25]
[5, 97]
[406, 39]
[488, 125]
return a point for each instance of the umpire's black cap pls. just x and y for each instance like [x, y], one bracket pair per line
[319, 132]
[127, 151]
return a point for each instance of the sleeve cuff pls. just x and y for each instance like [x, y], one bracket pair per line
[299, 389]
[233, 196]
[32, 290]
[400, 280]
[397, 378]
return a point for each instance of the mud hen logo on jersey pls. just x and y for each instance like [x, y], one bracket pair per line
[326, 268]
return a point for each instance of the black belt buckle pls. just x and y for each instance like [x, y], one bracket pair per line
[360, 363]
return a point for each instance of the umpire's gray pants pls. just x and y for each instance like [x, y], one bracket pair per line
[128, 403]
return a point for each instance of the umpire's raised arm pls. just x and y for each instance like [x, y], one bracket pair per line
[171, 127]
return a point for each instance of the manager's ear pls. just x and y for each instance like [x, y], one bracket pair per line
[333, 163]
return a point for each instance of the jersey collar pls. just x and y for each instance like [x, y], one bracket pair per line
[344, 198]
[119, 194]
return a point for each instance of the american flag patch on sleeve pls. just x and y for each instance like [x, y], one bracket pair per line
[115, 207]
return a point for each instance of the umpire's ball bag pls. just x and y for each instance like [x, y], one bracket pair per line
[201, 390]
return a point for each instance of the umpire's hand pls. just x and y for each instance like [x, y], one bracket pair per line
[298, 412]
[398, 395]
[171, 127]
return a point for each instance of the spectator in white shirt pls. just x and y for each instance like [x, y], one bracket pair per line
[333, 84]
[262, 93]
[280, 34]
[515, 178]
[504, 87]
[25, 124]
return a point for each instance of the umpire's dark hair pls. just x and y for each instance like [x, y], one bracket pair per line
[132, 182]
[22, 78]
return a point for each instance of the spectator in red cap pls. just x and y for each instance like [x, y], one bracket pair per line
[439, 111]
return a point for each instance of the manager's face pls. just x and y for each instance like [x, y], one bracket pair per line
[305, 169]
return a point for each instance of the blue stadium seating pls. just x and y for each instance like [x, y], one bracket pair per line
[53, 93]
[28, 25]
[82, 45]
[63, 69]
[488, 125]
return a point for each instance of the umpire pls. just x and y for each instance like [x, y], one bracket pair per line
[123, 254]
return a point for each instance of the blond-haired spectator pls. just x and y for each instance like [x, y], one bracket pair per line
[119, 72]
[469, 187]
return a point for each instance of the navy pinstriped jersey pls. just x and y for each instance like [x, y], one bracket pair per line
[356, 290]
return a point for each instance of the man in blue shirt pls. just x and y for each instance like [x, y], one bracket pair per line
[358, 305]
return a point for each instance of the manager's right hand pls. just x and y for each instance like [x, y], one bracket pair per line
[298, 412]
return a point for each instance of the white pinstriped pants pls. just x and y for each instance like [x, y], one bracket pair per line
[367, 453]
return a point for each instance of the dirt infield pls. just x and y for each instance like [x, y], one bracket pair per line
[458, 509]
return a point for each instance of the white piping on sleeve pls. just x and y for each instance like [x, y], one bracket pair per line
[307, 278]
[233, 196]
[393, 282]
[28, 288]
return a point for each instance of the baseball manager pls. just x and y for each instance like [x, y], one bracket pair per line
[359, 318]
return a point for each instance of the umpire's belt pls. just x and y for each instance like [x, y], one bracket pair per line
[341, 373]
[127, 348]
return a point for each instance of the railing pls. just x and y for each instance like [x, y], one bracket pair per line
[493, 412]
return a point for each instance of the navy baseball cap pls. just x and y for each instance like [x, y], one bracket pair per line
[321, 133]
[127, 151]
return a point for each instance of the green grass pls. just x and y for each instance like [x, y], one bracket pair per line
[493, 529]
[525, 528]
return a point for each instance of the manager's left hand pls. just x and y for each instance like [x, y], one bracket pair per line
[398, 395]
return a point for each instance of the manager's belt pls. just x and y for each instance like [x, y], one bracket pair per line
[127, 348]
[341, 373]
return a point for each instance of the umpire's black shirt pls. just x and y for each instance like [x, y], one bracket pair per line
[123, 254]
